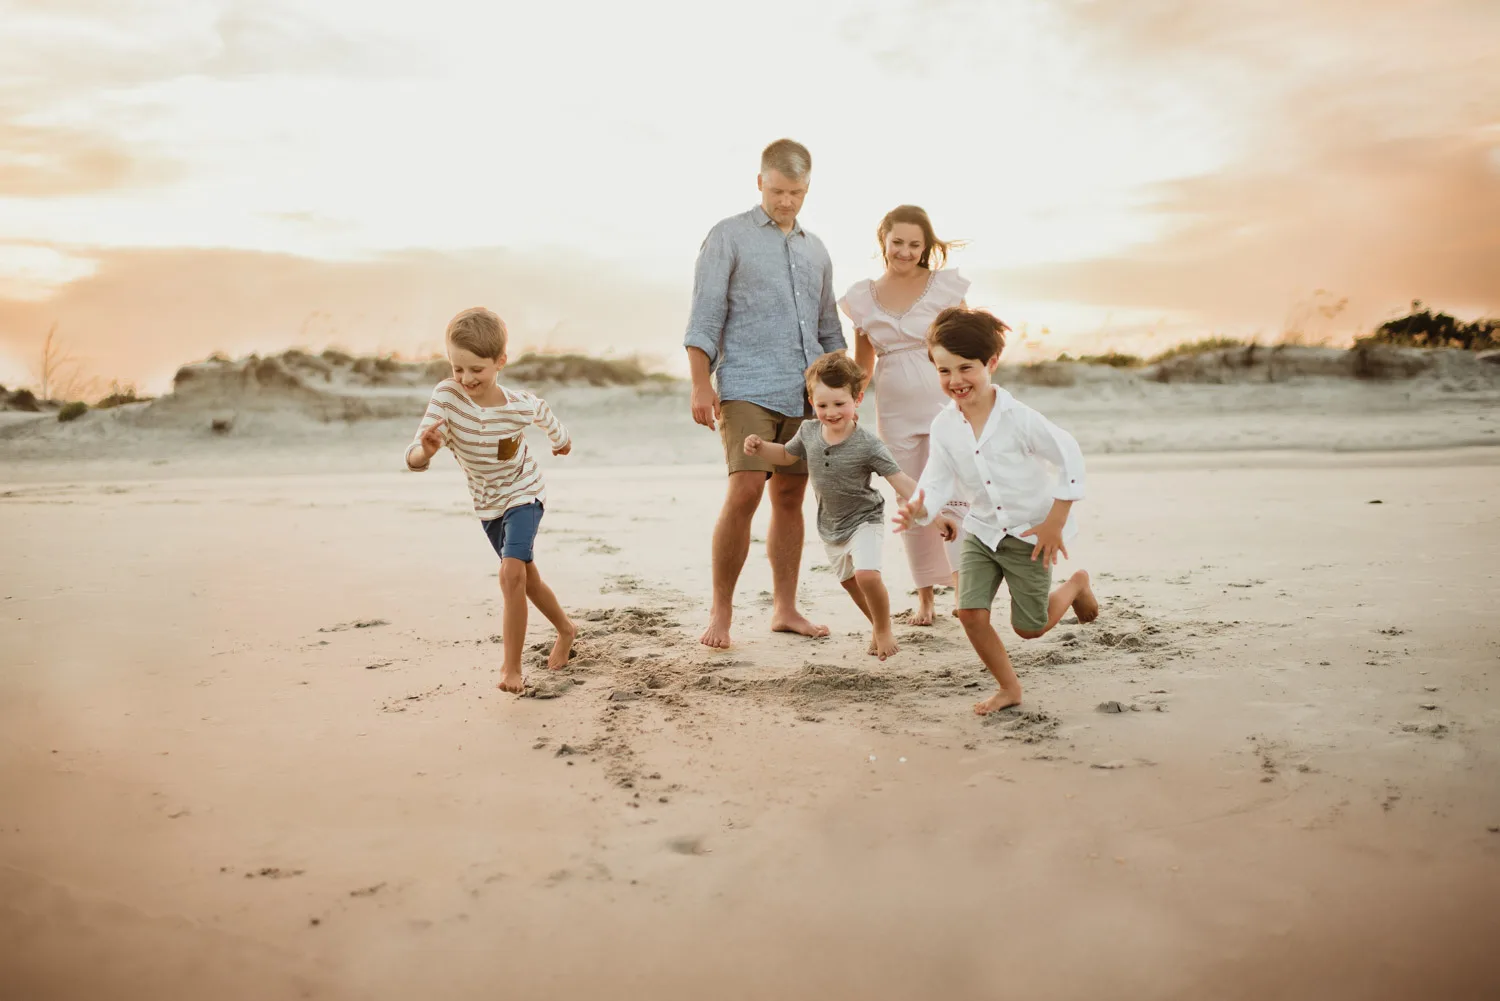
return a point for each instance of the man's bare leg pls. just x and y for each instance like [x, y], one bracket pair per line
[883, 643]
[731, 546]
[986, 643]
[546, 602]
[513, 622]
[784, 547]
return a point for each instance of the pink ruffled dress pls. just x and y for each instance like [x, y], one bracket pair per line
[908, 397]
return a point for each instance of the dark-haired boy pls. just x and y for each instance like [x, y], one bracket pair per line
[993, 451]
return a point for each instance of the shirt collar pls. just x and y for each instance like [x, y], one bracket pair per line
[762, 219]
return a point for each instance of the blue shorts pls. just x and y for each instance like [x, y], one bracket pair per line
[513, 534]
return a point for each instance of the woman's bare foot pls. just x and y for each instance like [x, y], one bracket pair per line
[562, 650]
[511, 681]
[924, 612]
[797, 623]
[717, 633]
[883, 645]
[1086, 606]
[1000, 700]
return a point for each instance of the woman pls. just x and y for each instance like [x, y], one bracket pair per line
[891, 315]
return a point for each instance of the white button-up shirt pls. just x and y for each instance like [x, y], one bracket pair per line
[1004, 473]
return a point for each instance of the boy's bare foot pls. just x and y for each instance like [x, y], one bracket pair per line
[562, 650]
[1085, 605]
[883, 645]
[797, 623]
[511, 681]
[1000, 700]
[717, 633]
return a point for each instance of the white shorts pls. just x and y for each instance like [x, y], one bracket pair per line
[861, 551]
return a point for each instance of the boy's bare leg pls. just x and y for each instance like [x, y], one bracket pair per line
[852, 586]
[546, 602]
[923, 615]
[784, 547]
[883, 644]
[731, 546]
[955, 594]
[1076, 594]
[513, 622]
[986, 643]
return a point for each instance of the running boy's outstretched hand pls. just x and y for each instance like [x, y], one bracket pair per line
[753, 443]
[567, 447]
[432, 440]
[1049, 541]
[909, 512]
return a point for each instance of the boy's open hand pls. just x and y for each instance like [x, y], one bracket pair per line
[564, 450]
[753, 443]
[432, 440]
[947, 528]
[1049, 542]
[909, 512]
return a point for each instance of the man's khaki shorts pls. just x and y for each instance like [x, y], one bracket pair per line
[981, 569]
[738, 419]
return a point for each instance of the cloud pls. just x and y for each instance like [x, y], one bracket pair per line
[142, 313]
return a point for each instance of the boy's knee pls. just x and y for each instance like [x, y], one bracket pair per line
[512, 573]
[1028, 634]
[867, 578]
[973, 616]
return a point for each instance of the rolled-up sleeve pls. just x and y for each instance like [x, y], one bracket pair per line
[1059, 448]
[711, 274]
[830, 330]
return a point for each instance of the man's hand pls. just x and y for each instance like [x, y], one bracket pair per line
[753, 443]
[909, 512]
[1049, 542]
[947, 528]
[565, 449]
[705, 401]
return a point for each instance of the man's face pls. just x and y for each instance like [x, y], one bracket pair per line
[781, 196]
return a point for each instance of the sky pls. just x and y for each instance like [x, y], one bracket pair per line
[184, 176]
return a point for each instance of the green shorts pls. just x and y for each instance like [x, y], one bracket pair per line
[981, 569]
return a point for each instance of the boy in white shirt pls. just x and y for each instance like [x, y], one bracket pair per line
[482, 423]
[988, 448]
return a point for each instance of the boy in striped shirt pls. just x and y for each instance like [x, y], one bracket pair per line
[482, 422]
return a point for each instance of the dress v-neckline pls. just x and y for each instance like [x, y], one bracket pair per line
[914, 303]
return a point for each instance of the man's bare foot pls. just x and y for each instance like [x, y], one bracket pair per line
[511, 681]
[562, 650]
[1085, 605]
[797, 623]
[1000, 700]
[883, 645]
[922, 614]
[717, 633]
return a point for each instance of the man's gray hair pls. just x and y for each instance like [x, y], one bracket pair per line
[787, 157]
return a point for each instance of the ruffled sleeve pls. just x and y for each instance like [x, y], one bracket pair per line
[949, 288]
[858, 304]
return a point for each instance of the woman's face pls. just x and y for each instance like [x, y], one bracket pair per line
[904, 246]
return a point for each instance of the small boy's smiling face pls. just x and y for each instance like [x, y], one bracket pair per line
[836, 408]
[962, 378]
[473, 372]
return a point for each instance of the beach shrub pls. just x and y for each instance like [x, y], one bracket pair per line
[72, 411]
[1201, 346]
[1114, 359]
[23, 399]
[1422, 328]
[533, 367]
[119, 396]
[334, 356]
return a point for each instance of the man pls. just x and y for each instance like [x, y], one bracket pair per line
[763, 311]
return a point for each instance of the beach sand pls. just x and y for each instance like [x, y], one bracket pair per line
[251, 747]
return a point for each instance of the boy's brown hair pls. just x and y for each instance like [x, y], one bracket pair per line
[479, 332]
[975, 334]
[836, 370]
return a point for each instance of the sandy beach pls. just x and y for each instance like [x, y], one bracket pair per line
[250, 744]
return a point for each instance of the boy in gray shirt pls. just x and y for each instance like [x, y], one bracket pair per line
[840, 456]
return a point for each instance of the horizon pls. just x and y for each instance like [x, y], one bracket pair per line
[252, 175]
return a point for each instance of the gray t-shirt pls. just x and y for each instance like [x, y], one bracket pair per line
[841, 478]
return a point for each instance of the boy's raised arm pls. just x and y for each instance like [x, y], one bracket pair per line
[779, 455]
[431, 435]
[939, 483]
[1059, 448]
[545, 419]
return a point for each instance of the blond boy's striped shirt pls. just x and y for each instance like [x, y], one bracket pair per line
[477, 436]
